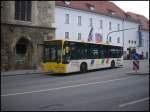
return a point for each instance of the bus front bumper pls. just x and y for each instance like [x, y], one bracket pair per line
[53, 67]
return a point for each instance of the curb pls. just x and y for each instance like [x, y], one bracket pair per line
[137, 73]
[26, 73]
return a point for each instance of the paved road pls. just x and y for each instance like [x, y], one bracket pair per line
[106, 89]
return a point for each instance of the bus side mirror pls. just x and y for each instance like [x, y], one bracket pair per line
[66, 59]
[67, 49]
[66, 55]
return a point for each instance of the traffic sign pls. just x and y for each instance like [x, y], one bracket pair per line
[135, 56]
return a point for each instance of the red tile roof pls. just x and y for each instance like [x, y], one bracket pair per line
[102, 7]
[141, 19]
[105, 7]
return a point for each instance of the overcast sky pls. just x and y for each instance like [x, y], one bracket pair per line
[139, 7]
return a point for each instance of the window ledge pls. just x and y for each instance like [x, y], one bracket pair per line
[24, 22]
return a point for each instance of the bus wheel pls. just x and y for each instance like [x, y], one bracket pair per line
[113, 64]
[83, 67]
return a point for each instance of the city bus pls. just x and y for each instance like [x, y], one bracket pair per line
[65, 56]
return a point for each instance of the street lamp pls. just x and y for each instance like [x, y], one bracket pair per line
[139, 27]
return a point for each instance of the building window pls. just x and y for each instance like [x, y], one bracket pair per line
[142, 42]
[90, 22]
[101, 24]
[109, 25]
[66, 35]
[129, 17]
[91, 7]
[129, 41]
[79, 20]
[111, 12]
[118, 39]
[23, 10]
[110, 39]
[67, 19]
[79, 36]
[67, 2]
[118, 26]
[132, 41]
[135, 42]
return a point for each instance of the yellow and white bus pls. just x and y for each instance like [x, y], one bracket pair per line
[64, 56]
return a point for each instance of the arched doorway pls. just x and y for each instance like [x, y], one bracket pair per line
[23, 54]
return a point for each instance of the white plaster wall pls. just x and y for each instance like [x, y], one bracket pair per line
[131, 34]
[73, 28]
[145, 45]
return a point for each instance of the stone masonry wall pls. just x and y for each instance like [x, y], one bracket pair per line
[42, 17]
[10, 34]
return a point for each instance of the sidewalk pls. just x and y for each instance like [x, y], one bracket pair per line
[21, 72]
[143, 67]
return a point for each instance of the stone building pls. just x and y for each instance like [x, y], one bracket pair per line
[24, 24]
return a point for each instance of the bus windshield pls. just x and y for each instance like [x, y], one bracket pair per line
[52, 51]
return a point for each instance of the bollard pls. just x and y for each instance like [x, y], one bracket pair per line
[135, 65]
[135, 58]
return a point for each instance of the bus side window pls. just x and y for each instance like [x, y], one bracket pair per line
[109, 51]
[120, 52]
[88, 51]
[100, 53]
[81, 51]
[78, 51]
[112, 52]
[93, 51]
[72, 46]
[106, 51]
[90, 54]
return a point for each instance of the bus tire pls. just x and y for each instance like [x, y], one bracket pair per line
[112, 64]
[83, 67]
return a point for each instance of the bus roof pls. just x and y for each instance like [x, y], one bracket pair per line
[84, 42]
